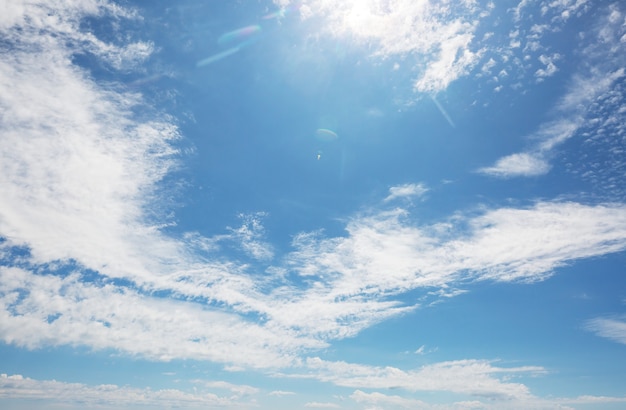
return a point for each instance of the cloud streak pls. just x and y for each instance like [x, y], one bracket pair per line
[472, 377]
[610, 328]
[49, 392]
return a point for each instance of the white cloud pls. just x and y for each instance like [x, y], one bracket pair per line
[385, 254]
[473, 377]
[572, 109]
[383, 401]
[522, 164]
[250, 235]
[563, 9]
[237, 389]
[488, 66]
[52, 392]
[45, 310]
[610, 328]
[587, 399]
[77, 168]
[540, 239]
[406, 191]
[550, 68]
[318, 405]
[247, 238]
[281, 393]
[352, 284]
[387, 401]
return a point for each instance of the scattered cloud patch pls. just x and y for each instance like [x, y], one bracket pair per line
[550, 68]
[572, 110]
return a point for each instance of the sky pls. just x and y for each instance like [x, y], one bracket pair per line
[316, 204]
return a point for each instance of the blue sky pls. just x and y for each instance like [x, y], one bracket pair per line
[357, 204]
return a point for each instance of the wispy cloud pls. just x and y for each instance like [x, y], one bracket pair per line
[81, 174]
[597, 75]
[248, 237]
[387, 401]
[406, 191]
[78, 169]
[318, 405]
[572, 109]
[473, 377]
[237, 389]
[281, 393]
[51, 392]
[501, 244]
[611, 328]
[522, 164]
[350, 283]
[45, 310]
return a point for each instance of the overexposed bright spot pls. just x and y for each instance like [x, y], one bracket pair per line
[438, 34]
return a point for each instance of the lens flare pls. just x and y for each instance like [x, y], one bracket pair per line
[326, 134]
[217, 57]
[239, 34]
